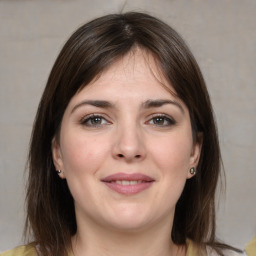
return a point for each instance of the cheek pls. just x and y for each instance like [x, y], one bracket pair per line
[82, 157]
[171, 158]
[82, 154]
[172, 154]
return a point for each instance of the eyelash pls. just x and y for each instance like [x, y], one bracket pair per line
[85, 120]
[165, 121]
[168, 121]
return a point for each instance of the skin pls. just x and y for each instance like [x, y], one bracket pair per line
[128, 136]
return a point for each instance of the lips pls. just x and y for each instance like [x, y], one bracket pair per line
[128, 184]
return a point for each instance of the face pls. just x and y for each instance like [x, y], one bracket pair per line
[126, 147]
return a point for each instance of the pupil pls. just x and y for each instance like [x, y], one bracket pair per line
[96, 120]
[159, 120]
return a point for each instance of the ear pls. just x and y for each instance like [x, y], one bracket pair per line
[195, 154]
[57, 157]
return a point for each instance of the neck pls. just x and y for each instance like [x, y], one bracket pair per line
[154, 241]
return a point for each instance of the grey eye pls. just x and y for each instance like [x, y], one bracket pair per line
[161, 121]
[94, 121]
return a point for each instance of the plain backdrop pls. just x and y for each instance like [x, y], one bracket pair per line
[222, 36]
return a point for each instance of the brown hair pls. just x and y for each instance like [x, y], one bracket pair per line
[92, 48]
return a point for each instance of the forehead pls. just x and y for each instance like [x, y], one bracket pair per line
[136, 67]
[132, 80]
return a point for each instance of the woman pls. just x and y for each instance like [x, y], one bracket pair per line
[124, 156]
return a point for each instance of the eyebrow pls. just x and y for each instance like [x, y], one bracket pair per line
[147, 104]
[160, 103]
[95, 103]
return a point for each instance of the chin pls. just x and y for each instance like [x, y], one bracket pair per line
[129, 226]
[129, 220]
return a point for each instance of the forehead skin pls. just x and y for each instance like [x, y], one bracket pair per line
[137, 57]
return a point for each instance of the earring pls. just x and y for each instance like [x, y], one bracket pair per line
[58, 171]
[192, 171]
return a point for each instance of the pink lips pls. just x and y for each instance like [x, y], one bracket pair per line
[128, 184]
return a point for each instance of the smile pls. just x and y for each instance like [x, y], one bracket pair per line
[128, 184]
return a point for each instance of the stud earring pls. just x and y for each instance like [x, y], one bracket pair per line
[58, 171]
[192, 171]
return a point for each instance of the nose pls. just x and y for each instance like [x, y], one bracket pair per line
[129, 144]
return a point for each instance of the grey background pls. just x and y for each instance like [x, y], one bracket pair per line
[221, 34]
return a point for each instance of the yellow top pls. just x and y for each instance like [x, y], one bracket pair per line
[192, 250]
[28, 250]
[25, 250]
[251, 247]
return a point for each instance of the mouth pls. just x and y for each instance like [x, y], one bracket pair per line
[128, 184]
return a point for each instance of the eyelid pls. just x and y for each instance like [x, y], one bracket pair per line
[169, 118]
[86, 118]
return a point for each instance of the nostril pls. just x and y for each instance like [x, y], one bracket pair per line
[137, 156]
[120, 155]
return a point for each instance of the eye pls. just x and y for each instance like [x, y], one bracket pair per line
[94, 121]
[161, 121]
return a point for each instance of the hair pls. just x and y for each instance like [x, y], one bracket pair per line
[87, 53]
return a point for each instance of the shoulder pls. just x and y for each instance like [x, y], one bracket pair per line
[26, 250]
[251, 247]
[211, 252]
[194, 249]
